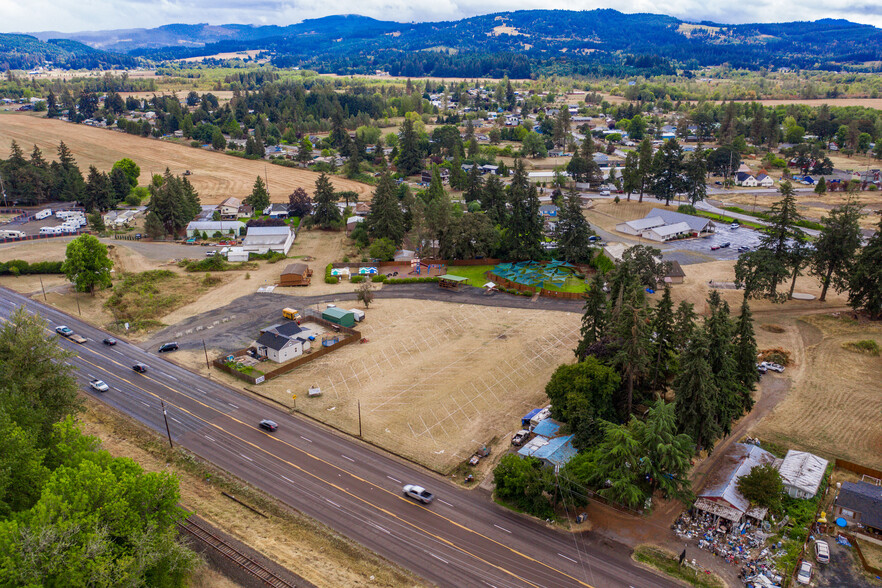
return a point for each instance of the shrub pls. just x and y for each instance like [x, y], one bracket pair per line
[411, 280]
[602, 263]
[17, 267]
[379, 278]
[686, 209]
[867, 346]
[356, 279]
[329, 279]
[775, 355]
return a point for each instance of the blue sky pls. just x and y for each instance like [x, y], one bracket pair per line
[76, 15]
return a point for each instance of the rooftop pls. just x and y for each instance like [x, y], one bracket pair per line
[803, 470]
[736, 462]
[864, 498]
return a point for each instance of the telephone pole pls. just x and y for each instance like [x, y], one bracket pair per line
[167, 430]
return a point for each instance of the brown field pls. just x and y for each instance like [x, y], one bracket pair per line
[867, 102]
[235, 55]
[834, 404]
[216, 176]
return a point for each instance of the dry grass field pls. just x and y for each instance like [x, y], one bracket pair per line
[436, 380]
[834, 407]
[216, 176]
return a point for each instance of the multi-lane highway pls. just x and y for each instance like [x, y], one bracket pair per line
[461, 539]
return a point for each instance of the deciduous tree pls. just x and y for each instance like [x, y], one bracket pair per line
[87, 264]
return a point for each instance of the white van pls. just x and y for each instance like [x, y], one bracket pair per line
[45, 213]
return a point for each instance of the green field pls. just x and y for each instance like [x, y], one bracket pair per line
[475, 273]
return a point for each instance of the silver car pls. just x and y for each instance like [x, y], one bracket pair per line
[805, 573]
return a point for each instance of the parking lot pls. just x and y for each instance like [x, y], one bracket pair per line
[700, 250]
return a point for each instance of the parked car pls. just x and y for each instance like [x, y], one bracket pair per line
[418, 493]
[64, 331]
[519, 437]
[743, 248]
[109, 341]
[173, 346]
[211, 253]
[735, 226]
[714, 247]
[725, 245]
[804, 576]
[822, 552]
[773, 366]
[268, 425]
[98, 385]
[761, 368]
[140, 368]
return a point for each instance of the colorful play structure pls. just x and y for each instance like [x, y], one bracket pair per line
[535, 274]
[329, 339]
[418, 268]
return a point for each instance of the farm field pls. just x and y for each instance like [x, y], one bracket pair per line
[834, 404]
[215, 176]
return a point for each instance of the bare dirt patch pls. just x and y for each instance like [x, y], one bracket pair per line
[834, 406]
[215, 176]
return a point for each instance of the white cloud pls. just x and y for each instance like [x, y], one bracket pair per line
[71, 15]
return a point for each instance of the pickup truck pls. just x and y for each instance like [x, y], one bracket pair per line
[77, 338]
[418, 493]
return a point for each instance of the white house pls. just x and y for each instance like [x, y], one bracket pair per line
[636, 227]
[278, 348]
[765, 181]
[229, 208]
[667, 232]
[801, 473]
[261, 240]
[745, 179]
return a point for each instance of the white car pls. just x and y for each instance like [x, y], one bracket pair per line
[418, 493]
[772, 366]
[805, 573]
[99, 385]
[822, 552]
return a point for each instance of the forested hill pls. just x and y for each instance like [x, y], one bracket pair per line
[26, 52]
[519, 44]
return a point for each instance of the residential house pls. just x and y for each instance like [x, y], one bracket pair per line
[860, 504]
[245, 211]
[548, 211]
[765, 181]
[352, 222]
[548, 446]
[675, 275]
[261, 240]
[276, 210]
[295, 274]
[601, 159]
[292, 330]
[210, 228]
[745, 179]
[229, 209]
[802, 473]
[721, 497]
[278, 348]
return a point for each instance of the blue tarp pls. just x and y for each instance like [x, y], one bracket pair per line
[526, 420]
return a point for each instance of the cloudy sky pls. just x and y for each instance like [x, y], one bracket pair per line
[79, 15]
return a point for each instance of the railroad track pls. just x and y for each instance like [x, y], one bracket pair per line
[248, 564]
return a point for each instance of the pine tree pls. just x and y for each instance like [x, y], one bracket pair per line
[69, 185]
[865, 277]
[644, 165]
[667, 455]
[523, 227]
[684, 325]
[386, 220]
[630, 174]
[325, 213]
[663, 350]
[719, 330]
[595, 316]
[633, 355]
[697, 393]
[259, 198]
[99, 191]
[695, 171]
[781, 233]
[745, 356]
[493, 201]
[667, 172]
[409, 159]
[572, 231]
[474, 186]
[591, 170]
[836, 246]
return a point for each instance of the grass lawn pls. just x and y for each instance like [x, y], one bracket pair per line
[571, 285]
[667, 563]
[475, 273]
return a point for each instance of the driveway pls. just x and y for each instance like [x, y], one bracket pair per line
[843, 571]
[699, 250]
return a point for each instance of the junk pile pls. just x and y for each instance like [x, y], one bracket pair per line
[738, 544]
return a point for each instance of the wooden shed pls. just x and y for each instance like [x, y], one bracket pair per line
[296, 274]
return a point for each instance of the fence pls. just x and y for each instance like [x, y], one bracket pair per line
[447, 262]
[351, 337]
[505, 283]
[853, 539]
[39, 237]
[858, 469]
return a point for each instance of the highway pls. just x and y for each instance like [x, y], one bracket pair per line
[461, 539]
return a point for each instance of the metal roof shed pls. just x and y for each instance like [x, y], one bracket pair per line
[802, 473]
[337, 316]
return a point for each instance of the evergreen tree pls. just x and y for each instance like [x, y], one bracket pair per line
[633, 355]
[667, 455]
[119, 182]
[386, 220]
[865, 277]
[153, 226]
[259, 198]
[173, 201]
[745, 356]
[719, 330]
[663, 341]
[325, 213]
[667, 172]
[572, 231]
[684, 325]
[595, 316]
[781, 233]
[697, 394]
[69, 185]
[591, 170]
[410, 160]
[304, 152]
[99, 191]
[493, 200]
[474, 187]
[836, 246]
[695, 172]
[52, 110]
[644, 165]
[523, 227]
[631, 174]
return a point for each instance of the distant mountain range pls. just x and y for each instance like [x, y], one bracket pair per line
[519, 44]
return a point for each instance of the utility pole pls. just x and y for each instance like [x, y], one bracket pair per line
[207, 363]
[359, 418]
[42, 288]
[167, 430]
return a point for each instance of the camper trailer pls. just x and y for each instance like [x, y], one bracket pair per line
[45, 213]
[12, 235]
[50, 231]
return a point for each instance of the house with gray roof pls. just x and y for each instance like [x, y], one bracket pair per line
[802, 473]
[261, 240]
[860, 504]
[698, 224]
[637, 226]
[720, 496]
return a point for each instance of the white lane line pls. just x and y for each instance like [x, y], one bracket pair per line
[117, 389]
[439, 558]
[200, 390]
[233, 405]
[246, 457]
[503, 528]
[144, 403]
[117, 352]
[488, 584]
[394, 479]
[172, 377]
[177, 421]
[287, 479]
[444, 502]
[210, 439]
[378, 527]
[569, 558]
[332, 502]
[91, 377]
[347, 457]
[305, 439]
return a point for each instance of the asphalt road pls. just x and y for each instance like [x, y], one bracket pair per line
[462, 539]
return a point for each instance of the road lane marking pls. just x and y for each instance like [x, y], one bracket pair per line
[444, 502]
[439, 558]
[347, 457]
[177, 421]
[450, 543]
[170, 376]
[376, 526]
[569, 558]
[305, 439]
[394, 479]
[117, 389]
[286, 479]
[145, 404]
[503, 528]
[210, 438]
[233, 405]
[334, 503]
[246, 457]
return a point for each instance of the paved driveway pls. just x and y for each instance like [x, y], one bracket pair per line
[699, 250]
[843, 571]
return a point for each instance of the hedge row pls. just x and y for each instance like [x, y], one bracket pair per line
[329, 279]
[410, 280]
[18, 267]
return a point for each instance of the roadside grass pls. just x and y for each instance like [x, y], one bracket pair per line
[727, 219]
[667, 563]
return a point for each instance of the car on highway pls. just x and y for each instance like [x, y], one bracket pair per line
[804, 576]
[64, 331]
[822, 552]
[98, 385]
[520, 437]
[140, 368]
[418, 493]
[77, 338]
[168, 347]
[109, 341]
[268, 425]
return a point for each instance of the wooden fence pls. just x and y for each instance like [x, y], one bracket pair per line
[505, 283]
[447, 262]
[857, 468]
[220, 364]
[853, 539]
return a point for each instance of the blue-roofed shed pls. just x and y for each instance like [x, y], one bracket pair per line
[552, 452]
[548, 428]
[526, 420]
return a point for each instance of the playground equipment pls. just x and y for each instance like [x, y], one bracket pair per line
[535, 274]
[329, 339]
